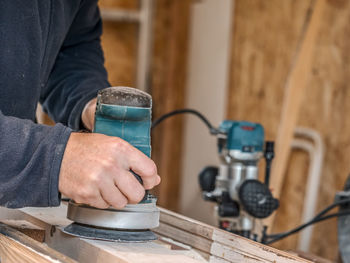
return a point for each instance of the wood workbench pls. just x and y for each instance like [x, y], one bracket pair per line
[181, 239]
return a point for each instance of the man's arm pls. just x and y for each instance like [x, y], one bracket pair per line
[78, 72]
[39, 161]
[95, 168]
[31, 156]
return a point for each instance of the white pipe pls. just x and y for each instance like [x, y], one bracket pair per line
[316, 153]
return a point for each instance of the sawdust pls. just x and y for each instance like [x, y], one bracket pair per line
[125, 96]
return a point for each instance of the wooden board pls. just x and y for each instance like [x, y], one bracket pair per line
[295, 89]
[84, 250]
[12, 251]
[171, 28]
[188, 241]
[18, 247]
[217, 242]
[26, 228]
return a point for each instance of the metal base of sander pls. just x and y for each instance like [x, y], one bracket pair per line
[130, 224]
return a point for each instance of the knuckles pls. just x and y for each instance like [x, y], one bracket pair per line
[119, 145]
[152, 169]
[137, 196]
[84, 195]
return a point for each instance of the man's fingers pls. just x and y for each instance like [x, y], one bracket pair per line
[143, 166]
[111, 195]
[138, 161]
[130, 187]
[150, 181]
[95, 202]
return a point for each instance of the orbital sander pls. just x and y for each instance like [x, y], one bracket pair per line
[126, 113]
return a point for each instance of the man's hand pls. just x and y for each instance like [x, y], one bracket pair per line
[95, 170]
[88, 114]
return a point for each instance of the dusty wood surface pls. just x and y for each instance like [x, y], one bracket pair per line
[83, 250]
[18, 247]
[12, 251]
[188, 241]
[26, 228]
[218, 243]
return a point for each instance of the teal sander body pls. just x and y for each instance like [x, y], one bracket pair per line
[126, 113]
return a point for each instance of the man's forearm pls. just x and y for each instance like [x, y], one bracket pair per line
[30, 156]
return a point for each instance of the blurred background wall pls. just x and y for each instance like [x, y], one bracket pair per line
[231, 59]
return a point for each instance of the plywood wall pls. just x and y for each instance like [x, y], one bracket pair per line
[171, 28]
[119, 43]
[264, 40]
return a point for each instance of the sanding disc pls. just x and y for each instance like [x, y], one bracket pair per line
[106, 234]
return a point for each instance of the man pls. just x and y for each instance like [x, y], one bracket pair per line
[50, 52]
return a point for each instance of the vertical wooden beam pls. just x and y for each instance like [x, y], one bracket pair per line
[168, 91]
[144, 45]
[294, 91]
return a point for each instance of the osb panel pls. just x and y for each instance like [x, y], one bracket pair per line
[119, 43]
[264, 41]
[125, 4]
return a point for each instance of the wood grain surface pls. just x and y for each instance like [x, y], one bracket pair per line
[171, 28]
[188, 241]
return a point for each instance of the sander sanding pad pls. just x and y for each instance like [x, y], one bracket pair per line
[106, 234]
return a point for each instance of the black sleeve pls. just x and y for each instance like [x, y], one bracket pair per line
[31, 156]
[79, 71]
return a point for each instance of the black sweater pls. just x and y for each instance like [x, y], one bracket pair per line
[49, 53]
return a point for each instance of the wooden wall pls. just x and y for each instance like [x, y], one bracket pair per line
[265, 36]
[119, 43]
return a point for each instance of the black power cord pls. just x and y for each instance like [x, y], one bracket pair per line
[211, 128]
[268, 239]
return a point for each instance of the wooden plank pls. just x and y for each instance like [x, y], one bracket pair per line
[12, 251]
[217, 242]
[295, 87]
[311, 257]
[26, 228]
[84, 250]
[168, 81]
[294, 91]
[17, 247]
